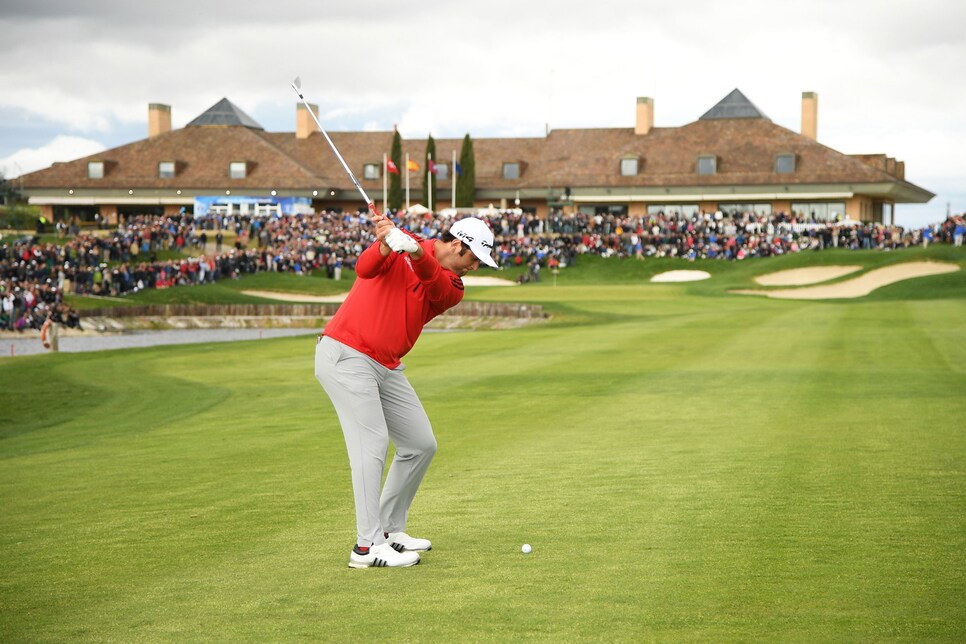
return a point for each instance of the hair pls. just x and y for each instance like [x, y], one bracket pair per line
[447, 237]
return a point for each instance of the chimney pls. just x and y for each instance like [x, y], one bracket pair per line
[645, 115]
[304, 124]
[159, 119]
[810, 115]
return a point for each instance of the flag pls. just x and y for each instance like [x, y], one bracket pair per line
[412, 166]
[391, 167]
[459, 169]
[431, 166]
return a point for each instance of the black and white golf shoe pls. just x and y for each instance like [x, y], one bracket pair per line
[382, 556]
[402, 542]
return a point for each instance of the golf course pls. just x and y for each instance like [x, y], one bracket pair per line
[688, 462]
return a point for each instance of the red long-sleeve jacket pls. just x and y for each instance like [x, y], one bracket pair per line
[391, 301]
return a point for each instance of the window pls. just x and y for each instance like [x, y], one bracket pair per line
[511, 170]
[166, 170]
[237, 169]
[95, 169]
[733, 209]
[370, 171]
[819, 211]
[629, 167]
[785, 164]
[686, 210]
[707, 164]
[442, 172]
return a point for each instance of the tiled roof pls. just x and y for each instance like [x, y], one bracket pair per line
[744, 147]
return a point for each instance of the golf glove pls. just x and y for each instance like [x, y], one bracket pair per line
[400, 242]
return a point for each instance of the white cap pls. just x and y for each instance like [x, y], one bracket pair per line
[477, 235]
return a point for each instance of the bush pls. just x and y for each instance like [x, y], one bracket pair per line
[19, 217]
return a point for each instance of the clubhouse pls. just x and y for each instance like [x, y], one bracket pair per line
[732, 159]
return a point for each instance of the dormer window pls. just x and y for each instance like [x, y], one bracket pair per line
[707, 164]
[370, 171]
[785, 164]
[166, 170]
[95, 169]
[629, 166]
[237, 169]
[511, 170]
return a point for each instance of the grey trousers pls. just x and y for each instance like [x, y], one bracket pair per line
[374, 405]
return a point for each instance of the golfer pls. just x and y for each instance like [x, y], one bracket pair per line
[402, 283]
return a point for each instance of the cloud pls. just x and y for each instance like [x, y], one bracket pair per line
[884, 72]
[61, 148]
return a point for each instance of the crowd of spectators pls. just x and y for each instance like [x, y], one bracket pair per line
[35, 276]
[522, 240]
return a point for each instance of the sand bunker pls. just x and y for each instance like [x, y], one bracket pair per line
[681, 276]
[861, 285]
[479, 280]
[803, 276]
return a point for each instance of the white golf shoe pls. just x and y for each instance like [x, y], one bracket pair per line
[404, 543]
[382, 556]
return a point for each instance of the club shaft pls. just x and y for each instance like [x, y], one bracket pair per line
[369, 202]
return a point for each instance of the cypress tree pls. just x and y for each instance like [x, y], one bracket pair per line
[466, 181]
[430, 154]
[395, 197]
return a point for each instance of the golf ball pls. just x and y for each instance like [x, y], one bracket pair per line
[526, 548]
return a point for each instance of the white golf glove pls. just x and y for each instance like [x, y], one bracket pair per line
[400, 242]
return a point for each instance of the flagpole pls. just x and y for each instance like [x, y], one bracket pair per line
[429, 181]
[385, 179]
[407, 181]
[452, 176]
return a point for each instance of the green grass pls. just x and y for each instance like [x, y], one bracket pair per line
[687, 465]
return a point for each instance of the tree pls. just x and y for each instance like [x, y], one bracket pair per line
[395, 197]
[466, 180]
[8, 190]
[427, 180]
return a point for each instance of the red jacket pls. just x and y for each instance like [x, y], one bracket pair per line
[391, 301]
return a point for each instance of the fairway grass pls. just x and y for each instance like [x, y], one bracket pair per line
[688, 466]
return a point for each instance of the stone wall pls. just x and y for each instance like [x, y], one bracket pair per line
[466, 315]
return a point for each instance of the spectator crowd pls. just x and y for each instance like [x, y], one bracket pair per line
[35, 276]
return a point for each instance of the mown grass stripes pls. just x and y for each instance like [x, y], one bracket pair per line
[686, 466]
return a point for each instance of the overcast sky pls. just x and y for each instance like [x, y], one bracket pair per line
[77, 76]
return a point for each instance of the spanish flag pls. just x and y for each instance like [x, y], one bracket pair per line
[412, 166]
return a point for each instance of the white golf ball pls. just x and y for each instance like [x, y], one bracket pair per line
[526, 548]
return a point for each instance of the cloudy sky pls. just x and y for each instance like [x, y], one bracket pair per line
[77, 77]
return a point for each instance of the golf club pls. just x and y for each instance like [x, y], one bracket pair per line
[297, 86]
